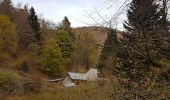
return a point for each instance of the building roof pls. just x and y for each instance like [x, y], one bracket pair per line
[77, 76]
[56, 80]
[92, 75]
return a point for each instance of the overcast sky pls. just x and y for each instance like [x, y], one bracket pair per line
[75, 10]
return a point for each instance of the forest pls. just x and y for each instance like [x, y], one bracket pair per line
[133, 64]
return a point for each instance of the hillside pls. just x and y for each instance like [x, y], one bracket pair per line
[43, 60]
[99, 33]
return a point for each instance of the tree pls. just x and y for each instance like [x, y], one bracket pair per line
[66, 26]
[33, 20]
[19, 16]
[52, 58]
[25, 32]
[7, 8]
[141, 50]
[86, 53]
[109, 53]
[66, 45]
[8, 38]
[164, 31]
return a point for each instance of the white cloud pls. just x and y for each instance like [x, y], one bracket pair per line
[55, 10]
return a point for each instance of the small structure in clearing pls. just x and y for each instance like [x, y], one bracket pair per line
[73, 79]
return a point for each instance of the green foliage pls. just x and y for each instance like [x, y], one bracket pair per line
[66, 45]
[8, 38]
[142, 62]
[109, 52]
[52, 58]
[33, 20]
[13, 83]
[8, 75]
[9, 80]
[66, 26]
[142, 11]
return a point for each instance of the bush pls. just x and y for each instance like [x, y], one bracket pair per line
[24, 67]
[12, 83]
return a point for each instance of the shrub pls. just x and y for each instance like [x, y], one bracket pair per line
[24, 67]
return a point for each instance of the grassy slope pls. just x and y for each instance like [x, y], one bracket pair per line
[87, 91]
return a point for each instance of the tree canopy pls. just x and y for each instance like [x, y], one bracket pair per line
[33, 20]
[8, 38]
[52, 58]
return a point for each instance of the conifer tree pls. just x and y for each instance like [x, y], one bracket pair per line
[164, 30]
[67, 46]
[66, 41]
[141, 49]
[66, 26]
[33, 20]
[109, 53]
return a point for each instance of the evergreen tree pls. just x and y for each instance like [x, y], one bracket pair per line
[164, 30]
[141, 50]
[67, 41]
[66, 26]
[109, 53]
[33, 20]
[67, 46]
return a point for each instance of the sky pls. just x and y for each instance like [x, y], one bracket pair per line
[80, 12]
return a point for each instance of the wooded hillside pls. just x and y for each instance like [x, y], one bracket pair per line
[132, 65]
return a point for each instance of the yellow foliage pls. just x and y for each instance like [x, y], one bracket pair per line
[8, 37]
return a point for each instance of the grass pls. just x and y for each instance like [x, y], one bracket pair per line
[91, 91]
[8, 75]
[87, 91]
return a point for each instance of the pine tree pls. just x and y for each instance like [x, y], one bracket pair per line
[66, 26]
[109, 53]
[67, 41]
[164, 31]
[67, 46]
[141, 50]
[33, 20]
